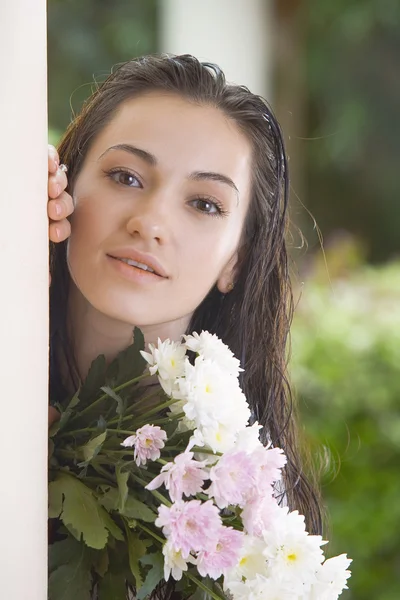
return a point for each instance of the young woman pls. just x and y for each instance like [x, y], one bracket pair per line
[173, 219]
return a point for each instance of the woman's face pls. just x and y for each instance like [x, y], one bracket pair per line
[166, 184]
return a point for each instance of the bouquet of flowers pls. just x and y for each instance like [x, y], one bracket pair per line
[153, 483]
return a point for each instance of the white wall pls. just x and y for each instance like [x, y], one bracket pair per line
[236, 34]
[23, 300]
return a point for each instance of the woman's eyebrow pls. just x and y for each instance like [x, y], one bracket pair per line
[211, 176]
[143, 154]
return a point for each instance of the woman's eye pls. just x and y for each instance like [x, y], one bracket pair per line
[125, 178]
[206, 206]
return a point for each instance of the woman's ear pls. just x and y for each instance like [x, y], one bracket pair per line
[226, 280]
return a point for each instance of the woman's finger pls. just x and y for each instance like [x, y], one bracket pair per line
[61, 207]
[57, 183]
[53, 159]
[59, 230]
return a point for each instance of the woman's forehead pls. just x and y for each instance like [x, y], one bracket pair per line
[172, 128]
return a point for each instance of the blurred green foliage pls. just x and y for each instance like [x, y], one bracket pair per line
[352, 87]
[85, 40]
[345, 368]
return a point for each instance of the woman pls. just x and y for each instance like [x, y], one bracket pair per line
[180, 188]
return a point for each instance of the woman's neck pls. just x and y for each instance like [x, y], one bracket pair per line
[92, 333]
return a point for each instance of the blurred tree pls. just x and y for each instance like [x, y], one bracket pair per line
[353, 54]
[85, 40]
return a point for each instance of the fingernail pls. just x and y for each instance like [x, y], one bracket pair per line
[58, 209]
[58, 189]
[58, 232]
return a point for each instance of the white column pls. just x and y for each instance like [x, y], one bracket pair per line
[236, 34]
[23, 300]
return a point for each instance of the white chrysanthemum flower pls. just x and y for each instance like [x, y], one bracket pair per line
[251, 561]
[293, 555]
[213, 397]
[174, 563]
[260, 588]
[209, 347]
[248, 439]
[167, 359]
[219, 438]
[332, 579]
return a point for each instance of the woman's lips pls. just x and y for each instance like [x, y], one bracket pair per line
[139, 257]
[135, 274]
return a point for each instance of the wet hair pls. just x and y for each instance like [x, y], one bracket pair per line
[255, 317]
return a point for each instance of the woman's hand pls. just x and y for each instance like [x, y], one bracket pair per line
[60, 204]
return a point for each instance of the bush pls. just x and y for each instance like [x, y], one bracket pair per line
[345, 368]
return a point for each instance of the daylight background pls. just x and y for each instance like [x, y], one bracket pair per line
[333, 81]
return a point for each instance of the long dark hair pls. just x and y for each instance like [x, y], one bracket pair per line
[255, 317]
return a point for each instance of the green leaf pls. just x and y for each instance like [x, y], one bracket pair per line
[129, 363]
[93, 447]
[134, 509]
[109, 497]
[94, 380]
[101, 562]
[122, 481]
[65, 415]
[136, 550]
[63, 552]
[112, 587]
[200, 593]
[121, 404]
[69, 566]
[153, 576]
[81, 513]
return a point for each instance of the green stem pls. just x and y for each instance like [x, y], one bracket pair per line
[156, 494]
[150, 532]
[90, 429]
[163, 420]
[201, 585]
[156, 409]
[103, 472]
[199, 450]
[134, 406]
[120, 387]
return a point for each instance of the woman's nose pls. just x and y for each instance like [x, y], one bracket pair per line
[149, 222]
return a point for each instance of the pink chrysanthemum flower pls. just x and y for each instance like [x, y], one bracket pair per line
[147, 442]
[223, 556]
[190, 526]
[268, 463]
[258, 514]
[232, 479]
[183, 476]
